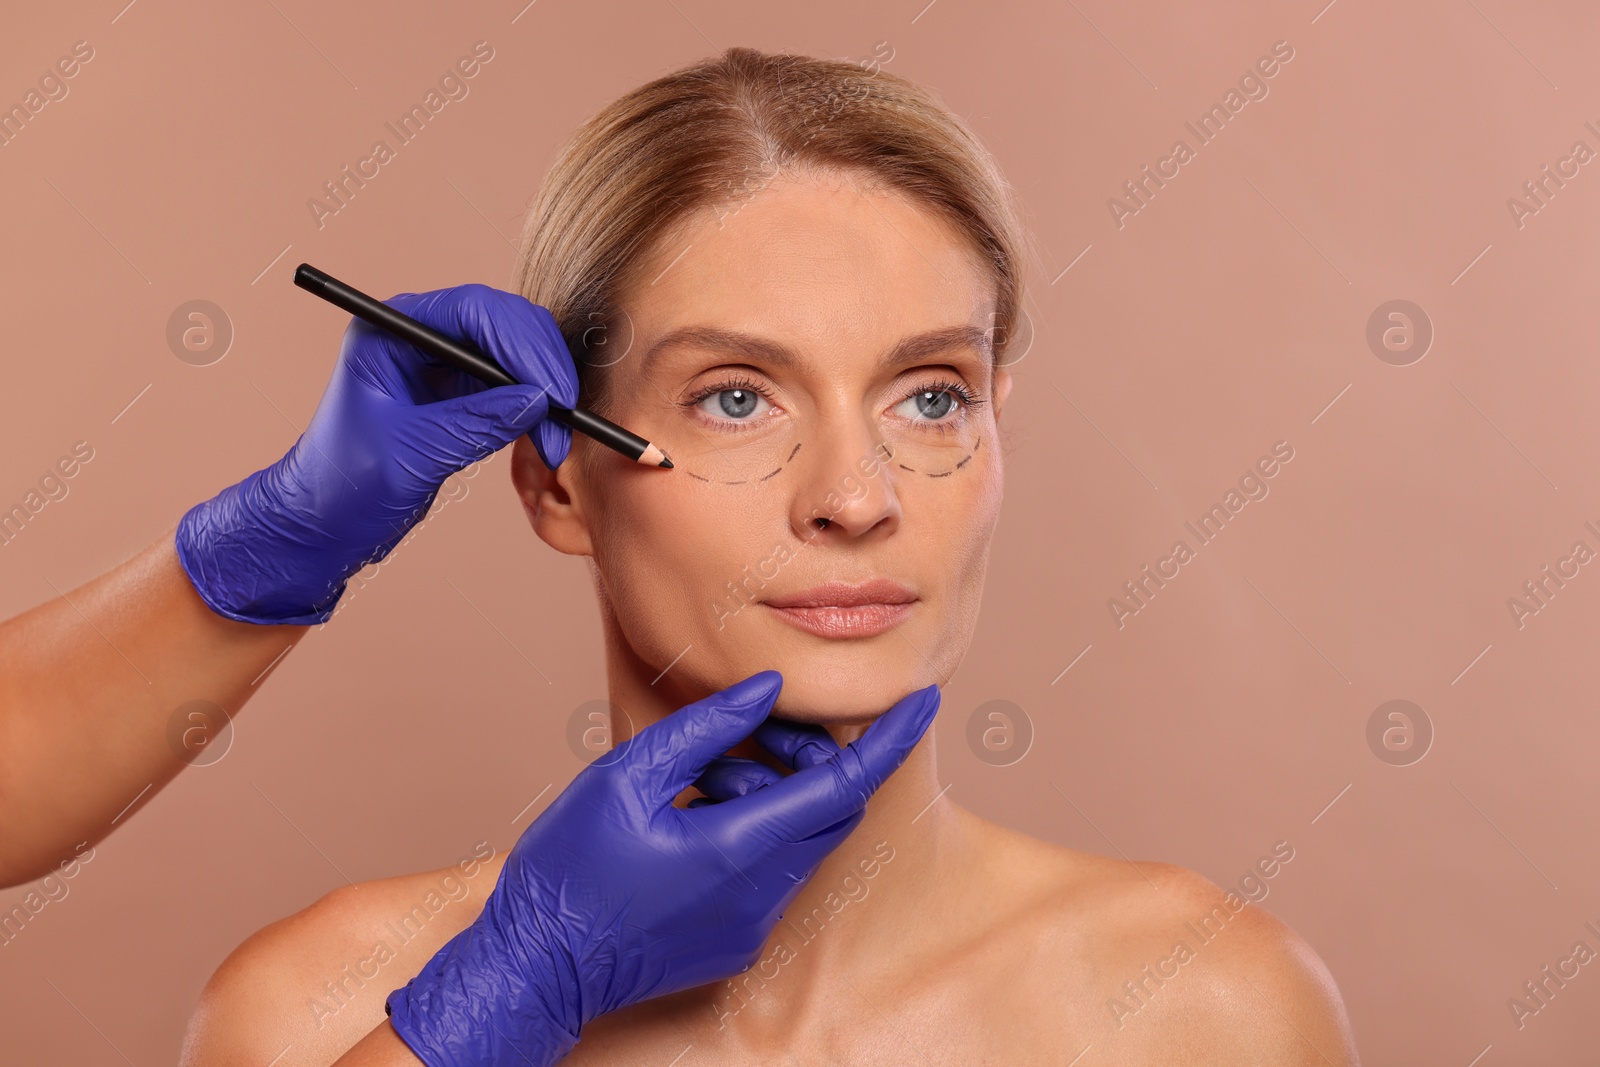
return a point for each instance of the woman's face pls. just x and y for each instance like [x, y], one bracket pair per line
[689, 560]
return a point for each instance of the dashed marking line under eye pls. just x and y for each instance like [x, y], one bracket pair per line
[952, 470]
[931, 474]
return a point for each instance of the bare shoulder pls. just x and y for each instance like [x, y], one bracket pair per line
[1244, 980]
[1151, 963]
[304, 989]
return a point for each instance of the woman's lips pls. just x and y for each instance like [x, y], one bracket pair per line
[860, 620]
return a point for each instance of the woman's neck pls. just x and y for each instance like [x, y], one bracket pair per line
[868, 910]
[872, 900]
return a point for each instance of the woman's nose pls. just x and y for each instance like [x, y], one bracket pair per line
[844, 489]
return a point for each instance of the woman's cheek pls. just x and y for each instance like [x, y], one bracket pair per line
[676, 554]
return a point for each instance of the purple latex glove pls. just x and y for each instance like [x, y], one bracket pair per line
[392, 425]
[798, 745]
[614, 895]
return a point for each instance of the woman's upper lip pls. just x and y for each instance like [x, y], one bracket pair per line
[842, 594]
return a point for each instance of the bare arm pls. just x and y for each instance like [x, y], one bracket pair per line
[381, 1048]
[88, 684]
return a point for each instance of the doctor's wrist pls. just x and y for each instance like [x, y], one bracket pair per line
[490, 996]
[259, 552]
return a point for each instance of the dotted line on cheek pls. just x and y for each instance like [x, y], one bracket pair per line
[763, 478]
[952, 470]
[941, 474]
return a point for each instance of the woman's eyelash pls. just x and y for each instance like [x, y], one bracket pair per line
[968, 397]
[959, 389]
[725, 386]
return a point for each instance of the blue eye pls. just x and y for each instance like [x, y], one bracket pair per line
[934, 401]
[735, 401]
[931, 405]
[740, 400]
[736, 404]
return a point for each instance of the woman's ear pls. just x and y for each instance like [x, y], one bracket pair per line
[552, 498]
[1002, 389]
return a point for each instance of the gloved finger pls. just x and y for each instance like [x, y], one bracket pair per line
[668, 755]
[486, 421]
[797, 744]
[727, 777]
[816, 799]
[553, 441]
[516, 333]
[700, 802]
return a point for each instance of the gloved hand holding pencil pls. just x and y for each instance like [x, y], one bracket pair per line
[392, 425]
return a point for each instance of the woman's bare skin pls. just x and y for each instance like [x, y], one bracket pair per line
[1015, 963]
[973, 943]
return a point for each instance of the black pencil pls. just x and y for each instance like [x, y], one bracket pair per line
[467, 358]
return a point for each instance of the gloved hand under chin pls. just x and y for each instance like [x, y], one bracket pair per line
[392, 425]
[614, 895]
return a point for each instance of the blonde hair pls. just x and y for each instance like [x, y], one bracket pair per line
[707, 136]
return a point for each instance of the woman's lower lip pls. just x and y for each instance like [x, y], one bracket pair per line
[861, 620]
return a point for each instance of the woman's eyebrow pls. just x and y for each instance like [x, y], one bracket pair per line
[911, 349]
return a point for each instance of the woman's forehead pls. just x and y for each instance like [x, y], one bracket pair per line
[816, 280]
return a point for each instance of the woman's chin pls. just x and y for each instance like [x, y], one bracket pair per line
[837, 694]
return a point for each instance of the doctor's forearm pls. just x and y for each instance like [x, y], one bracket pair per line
[89, 686]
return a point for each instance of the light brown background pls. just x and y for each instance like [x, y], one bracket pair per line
[1227, 315]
